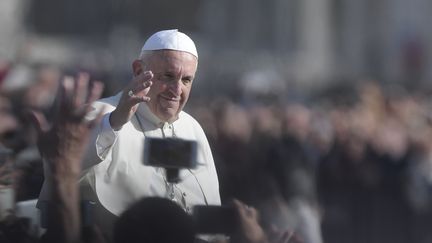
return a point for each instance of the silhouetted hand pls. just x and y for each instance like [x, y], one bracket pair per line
[249, 230]
[62, 142]
[63, 139]
[276, 235]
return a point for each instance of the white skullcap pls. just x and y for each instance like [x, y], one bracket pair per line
[171, 40]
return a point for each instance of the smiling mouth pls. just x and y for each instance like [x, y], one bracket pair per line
[173, 99]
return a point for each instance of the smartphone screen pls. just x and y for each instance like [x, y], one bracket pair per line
[215, 219]
[170, 153]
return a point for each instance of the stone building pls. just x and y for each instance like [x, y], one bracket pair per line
[308, 43]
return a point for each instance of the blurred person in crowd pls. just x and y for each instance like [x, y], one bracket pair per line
[149, 106]
[12, 229]
[62, 141]
[15, 230]
[321, 131]
[233, 153]
[4, 69]
[154, 219]
[247, 151]
[8, 122]
[207, 120]
[8, 125]
[418, 188]
[26, 87]
[291, 168]
[20, 169]
[296, 121]
[266, 121]
[361, 179]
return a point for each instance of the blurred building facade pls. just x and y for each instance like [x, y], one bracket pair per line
[307, 42]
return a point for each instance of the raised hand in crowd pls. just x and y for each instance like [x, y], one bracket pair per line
[276, 235]
[250, 230]
[62, 142]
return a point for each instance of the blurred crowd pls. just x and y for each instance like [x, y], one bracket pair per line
[354, 165]
[359, 155]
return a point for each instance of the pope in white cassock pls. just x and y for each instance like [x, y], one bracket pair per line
[114, 175]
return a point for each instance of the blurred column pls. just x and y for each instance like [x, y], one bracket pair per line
[11, 27]
[410, 34]
[212, 18]
[249, 23]
[314, 52]
[353, 37]
[283, 22]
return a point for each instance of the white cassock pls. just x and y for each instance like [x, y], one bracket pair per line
[114, 174]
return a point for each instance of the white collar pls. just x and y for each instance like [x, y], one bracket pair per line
[145, 112]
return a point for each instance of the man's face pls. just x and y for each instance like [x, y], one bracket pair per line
[173, 73]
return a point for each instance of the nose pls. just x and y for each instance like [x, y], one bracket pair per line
[175, 87]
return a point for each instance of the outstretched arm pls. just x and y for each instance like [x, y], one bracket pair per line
[62, 142]
[119, 111]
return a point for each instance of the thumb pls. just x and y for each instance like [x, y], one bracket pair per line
[38, 120]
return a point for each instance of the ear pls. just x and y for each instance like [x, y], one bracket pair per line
[137, 67]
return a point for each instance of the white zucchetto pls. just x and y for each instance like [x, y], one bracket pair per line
[170, 40]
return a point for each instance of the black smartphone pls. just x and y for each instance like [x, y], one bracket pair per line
[215, 219]
[170, 153]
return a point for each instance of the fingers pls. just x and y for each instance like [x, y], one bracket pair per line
[98, 118]
[69, 102]
[132, 95]
[84, 92]
[139, 87]
[245, 210]
[286, 236]
[95, 92]
[39, 121]
[80, 89]
[75, 94]
[64, 95]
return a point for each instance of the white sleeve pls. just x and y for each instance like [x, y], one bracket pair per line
[106, 138]
[101, 143]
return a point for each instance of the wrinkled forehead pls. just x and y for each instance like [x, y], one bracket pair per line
[170, 59]
[168, 55]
